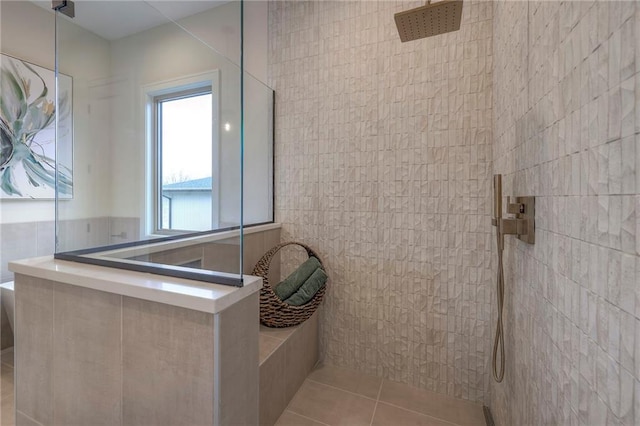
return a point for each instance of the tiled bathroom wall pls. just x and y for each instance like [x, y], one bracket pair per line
[31, 239]
[566, 106]
[22, 240]
[383, 164]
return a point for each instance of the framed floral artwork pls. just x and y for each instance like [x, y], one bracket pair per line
[28, 132]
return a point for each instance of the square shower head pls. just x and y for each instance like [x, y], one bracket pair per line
[429, 20]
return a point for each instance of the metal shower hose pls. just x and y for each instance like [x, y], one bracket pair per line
[498, 374]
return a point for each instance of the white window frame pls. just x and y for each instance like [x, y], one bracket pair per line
[152, 182]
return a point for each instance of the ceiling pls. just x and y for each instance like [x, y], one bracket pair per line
[112, 20]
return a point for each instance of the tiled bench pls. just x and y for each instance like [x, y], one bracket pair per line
[287, 356]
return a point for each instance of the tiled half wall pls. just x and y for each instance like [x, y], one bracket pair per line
[24, 240]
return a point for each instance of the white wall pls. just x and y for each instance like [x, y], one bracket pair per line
[36, 47]
[86, 58]
[220, 29]
[109, 150]
[167, 53]
[148, 58]
[258, 151]
[27, 32]
[256, 40]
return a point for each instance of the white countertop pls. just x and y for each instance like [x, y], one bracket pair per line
[190, 294]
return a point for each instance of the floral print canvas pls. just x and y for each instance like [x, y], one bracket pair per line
[27, 132]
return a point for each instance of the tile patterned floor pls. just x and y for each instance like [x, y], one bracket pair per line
[6, 388]
[333, 396]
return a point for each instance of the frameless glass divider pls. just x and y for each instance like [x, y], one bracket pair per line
[169, 142]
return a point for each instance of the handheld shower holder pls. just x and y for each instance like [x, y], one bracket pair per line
[523, 226]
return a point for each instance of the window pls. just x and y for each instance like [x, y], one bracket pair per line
[182, 134]
[184, 127]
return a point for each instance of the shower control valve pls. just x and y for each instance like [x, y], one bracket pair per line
[523, 225]
[511, 226]
[515, 208]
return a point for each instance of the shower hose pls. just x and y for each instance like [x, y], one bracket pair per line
[498, 344]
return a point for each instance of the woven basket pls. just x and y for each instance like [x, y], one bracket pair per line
[273, 311]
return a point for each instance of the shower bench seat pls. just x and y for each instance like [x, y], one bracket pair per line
[287, 356]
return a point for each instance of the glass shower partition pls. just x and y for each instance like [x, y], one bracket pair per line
[149, 132]
[258, 158]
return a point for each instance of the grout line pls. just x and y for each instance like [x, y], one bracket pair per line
[264, 359]
[377, 400]
[375, 408]
[317, 364]
[422, 414]
[305, 417]
[262, 333]
[28, 417]
[340, 389]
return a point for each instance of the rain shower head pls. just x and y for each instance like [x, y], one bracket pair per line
[429, 20]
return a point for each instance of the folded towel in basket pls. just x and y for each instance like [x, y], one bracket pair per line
[309, 289]
[294, 281]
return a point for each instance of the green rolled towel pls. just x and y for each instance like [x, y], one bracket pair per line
[292, 283]
[309, 289]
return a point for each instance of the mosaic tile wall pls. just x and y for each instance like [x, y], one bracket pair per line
[384, 163]
[567, 121]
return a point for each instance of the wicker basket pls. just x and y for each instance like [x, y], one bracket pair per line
[273, 311]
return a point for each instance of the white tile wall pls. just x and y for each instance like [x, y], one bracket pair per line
[383, 163]
[566, 104]
[31, 239]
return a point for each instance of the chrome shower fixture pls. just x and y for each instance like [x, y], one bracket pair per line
[523, 226]
[429, 20]
[66, 7]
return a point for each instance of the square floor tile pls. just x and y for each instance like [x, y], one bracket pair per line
[332, 406]
[7, 417]
[440, 406]
[348, 380]
[289, 418]
[387, 415]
